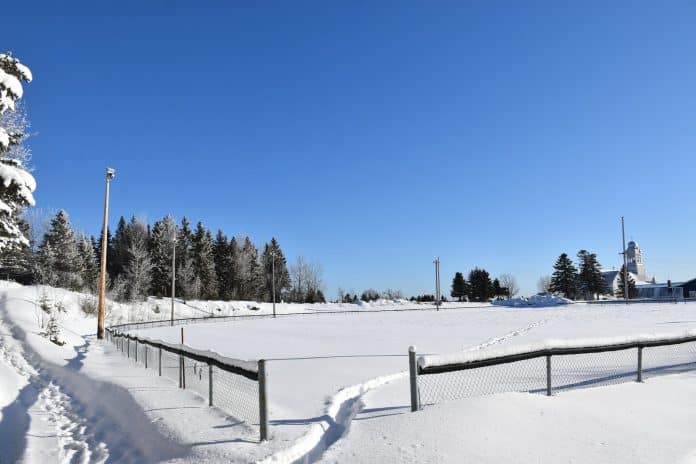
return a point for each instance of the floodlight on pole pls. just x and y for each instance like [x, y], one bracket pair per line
[110, 174]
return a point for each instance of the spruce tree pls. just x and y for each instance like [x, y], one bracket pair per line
[224, 267]
[497, 290]
[459, 287]
[480, 285]
[204, 262]
[138, 266]
[187, 282]
[273, 256]
[161, 249]
[17, 185]
[67, 264]
[119, 245]
[564, 279]
[90, 264]
[632, 290]
[590, 277]
[250, 277]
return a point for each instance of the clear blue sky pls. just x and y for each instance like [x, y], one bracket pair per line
[372, 136]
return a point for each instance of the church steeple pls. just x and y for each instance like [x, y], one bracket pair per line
[634, 259]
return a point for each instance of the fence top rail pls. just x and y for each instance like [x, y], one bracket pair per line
[248, 369]
[180, 321]
[437, 364]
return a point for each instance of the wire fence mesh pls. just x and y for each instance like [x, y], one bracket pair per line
[520, 376]
[567, 371]
[227, 388]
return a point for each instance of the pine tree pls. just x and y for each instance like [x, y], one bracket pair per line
[565, 277]
[187, 283]
[497, 290]
[274, 259]
[480, 285]
[250, 278]
[90, 264]
[116, 263]
[204, 262]
[16, 183]
[137, 270]
[161, 249]
[459, 287]
[67, 263]
[632, 290]
[224, 267]
[591, 281]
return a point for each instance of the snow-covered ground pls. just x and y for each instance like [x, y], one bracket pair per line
[337, 387]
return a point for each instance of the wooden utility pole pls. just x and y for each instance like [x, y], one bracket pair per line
[110, 174]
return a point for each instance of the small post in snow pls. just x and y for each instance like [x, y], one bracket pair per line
[128, 346]
[182, 372]
[145, 356]
[413, 377]
[639, 377]
[136, 350]
[210, 384]
[159, 362]
[263, 401]
[548, 375]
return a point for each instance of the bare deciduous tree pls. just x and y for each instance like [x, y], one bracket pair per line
[508, 282]
[544, 284]
[306, 279]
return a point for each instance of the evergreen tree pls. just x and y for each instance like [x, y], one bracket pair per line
[273, 256]
[459, 287]
[16, 183]
[138, 268]
[116, 263]
[480, 285]
[591, 281]
[497, 290]
[224, 267]
[17, 261]
[161, 249]
[67, 263]
[90, 264]
[204, 262]
[249, 271]
[632, 290]
[186, 284]
[565, 277]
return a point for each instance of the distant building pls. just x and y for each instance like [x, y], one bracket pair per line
[647, 289]
[634, 260]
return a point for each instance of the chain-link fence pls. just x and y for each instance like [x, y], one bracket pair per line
[237, 388]
[546, 369]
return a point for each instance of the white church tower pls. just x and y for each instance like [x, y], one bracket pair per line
[634, 258]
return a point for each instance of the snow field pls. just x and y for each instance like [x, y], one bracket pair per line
[312, 361]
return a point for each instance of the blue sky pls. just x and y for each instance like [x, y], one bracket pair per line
[373, 136]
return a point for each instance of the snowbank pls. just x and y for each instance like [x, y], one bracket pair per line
[536, 301]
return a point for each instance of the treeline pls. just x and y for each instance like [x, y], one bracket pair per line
[139, 263]
[478, 286]
[585, 282]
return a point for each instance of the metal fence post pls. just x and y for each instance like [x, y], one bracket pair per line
[159, 363]
[639, 378]
[128, 346]
[210, 384]
[145, 356]
[548, 375]
[136, 350]
[413, 377]
[263, 401]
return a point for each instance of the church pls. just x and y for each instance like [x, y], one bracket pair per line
[647, 289]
